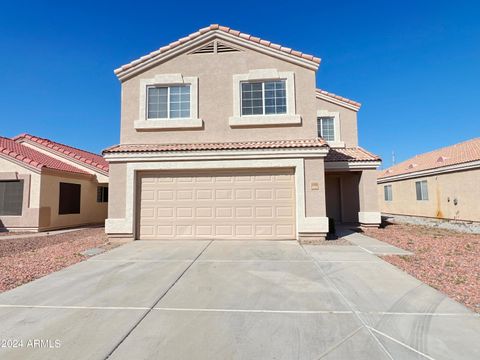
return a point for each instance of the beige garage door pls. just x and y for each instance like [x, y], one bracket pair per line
[217, 205]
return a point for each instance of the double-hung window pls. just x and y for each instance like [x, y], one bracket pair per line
[264, 97]
[168, 102]
[326, 128]
[421, 188]
[387, 190]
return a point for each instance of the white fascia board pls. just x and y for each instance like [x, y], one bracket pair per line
[337, 101]
[446, 169]
[216, 155]
[351, 165]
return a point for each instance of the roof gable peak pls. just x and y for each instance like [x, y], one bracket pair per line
[223, 32]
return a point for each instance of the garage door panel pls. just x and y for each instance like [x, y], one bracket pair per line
[219, 205]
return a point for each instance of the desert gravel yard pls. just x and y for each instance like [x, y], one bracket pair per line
[446, 260]
[25, 259]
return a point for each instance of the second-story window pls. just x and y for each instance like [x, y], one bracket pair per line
[168, 102]
[326, 128]
[264, 97]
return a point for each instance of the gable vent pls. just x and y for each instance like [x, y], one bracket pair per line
[222, 48]
[206, 49]
[214, 47]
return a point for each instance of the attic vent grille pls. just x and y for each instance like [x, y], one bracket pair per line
[207, 49]
[214, 47]
[222, 48]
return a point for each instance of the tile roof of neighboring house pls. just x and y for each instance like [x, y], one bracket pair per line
[216, 27]
[34, 159]
[277, 144]
[350, 154]
[355, 104]
[460, 153]
[88, 158]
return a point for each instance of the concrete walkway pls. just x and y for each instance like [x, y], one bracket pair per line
[234, 300]
[371, 245]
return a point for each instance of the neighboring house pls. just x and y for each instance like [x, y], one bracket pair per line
[443, 184]
[225, 136]
[46, 185]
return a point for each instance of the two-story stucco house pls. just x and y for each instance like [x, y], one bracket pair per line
[225, 136]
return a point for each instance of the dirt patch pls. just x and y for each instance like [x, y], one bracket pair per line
[27, 259]
[446, 260]
[8, 233]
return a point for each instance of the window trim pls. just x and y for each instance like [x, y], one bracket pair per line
[337, 143]
[386, 193]
[167, 80]
[289, 118]
[423, 185]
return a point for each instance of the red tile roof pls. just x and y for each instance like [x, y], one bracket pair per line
[338, 97]
[461, 153]
[88, 158]
[34, 159]
[278, 144]
[350, 154]
[216, 27]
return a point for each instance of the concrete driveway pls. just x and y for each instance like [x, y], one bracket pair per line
[234, 300]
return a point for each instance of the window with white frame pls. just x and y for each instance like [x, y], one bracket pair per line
[387, 190]
[168, 102]
[263, 97]
[326, 128]
[421, 188]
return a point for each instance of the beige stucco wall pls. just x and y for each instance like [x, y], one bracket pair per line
[461, 185]
[314, 187]
[215, 98]
[31, 197]
[367, 191]
[117, 188]
[348, 121]
[91, 212]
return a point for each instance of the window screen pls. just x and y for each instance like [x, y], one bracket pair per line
[11, 197]
[69, 200]
[326, 128]
[264, 98]
[168, 102]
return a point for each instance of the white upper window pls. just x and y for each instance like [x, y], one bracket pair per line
[168, 102]
[326, 128]
[264, 97]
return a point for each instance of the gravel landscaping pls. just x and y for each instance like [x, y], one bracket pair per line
[446, 260]
[26, 259]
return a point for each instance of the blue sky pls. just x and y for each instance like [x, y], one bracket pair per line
[414, 65]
